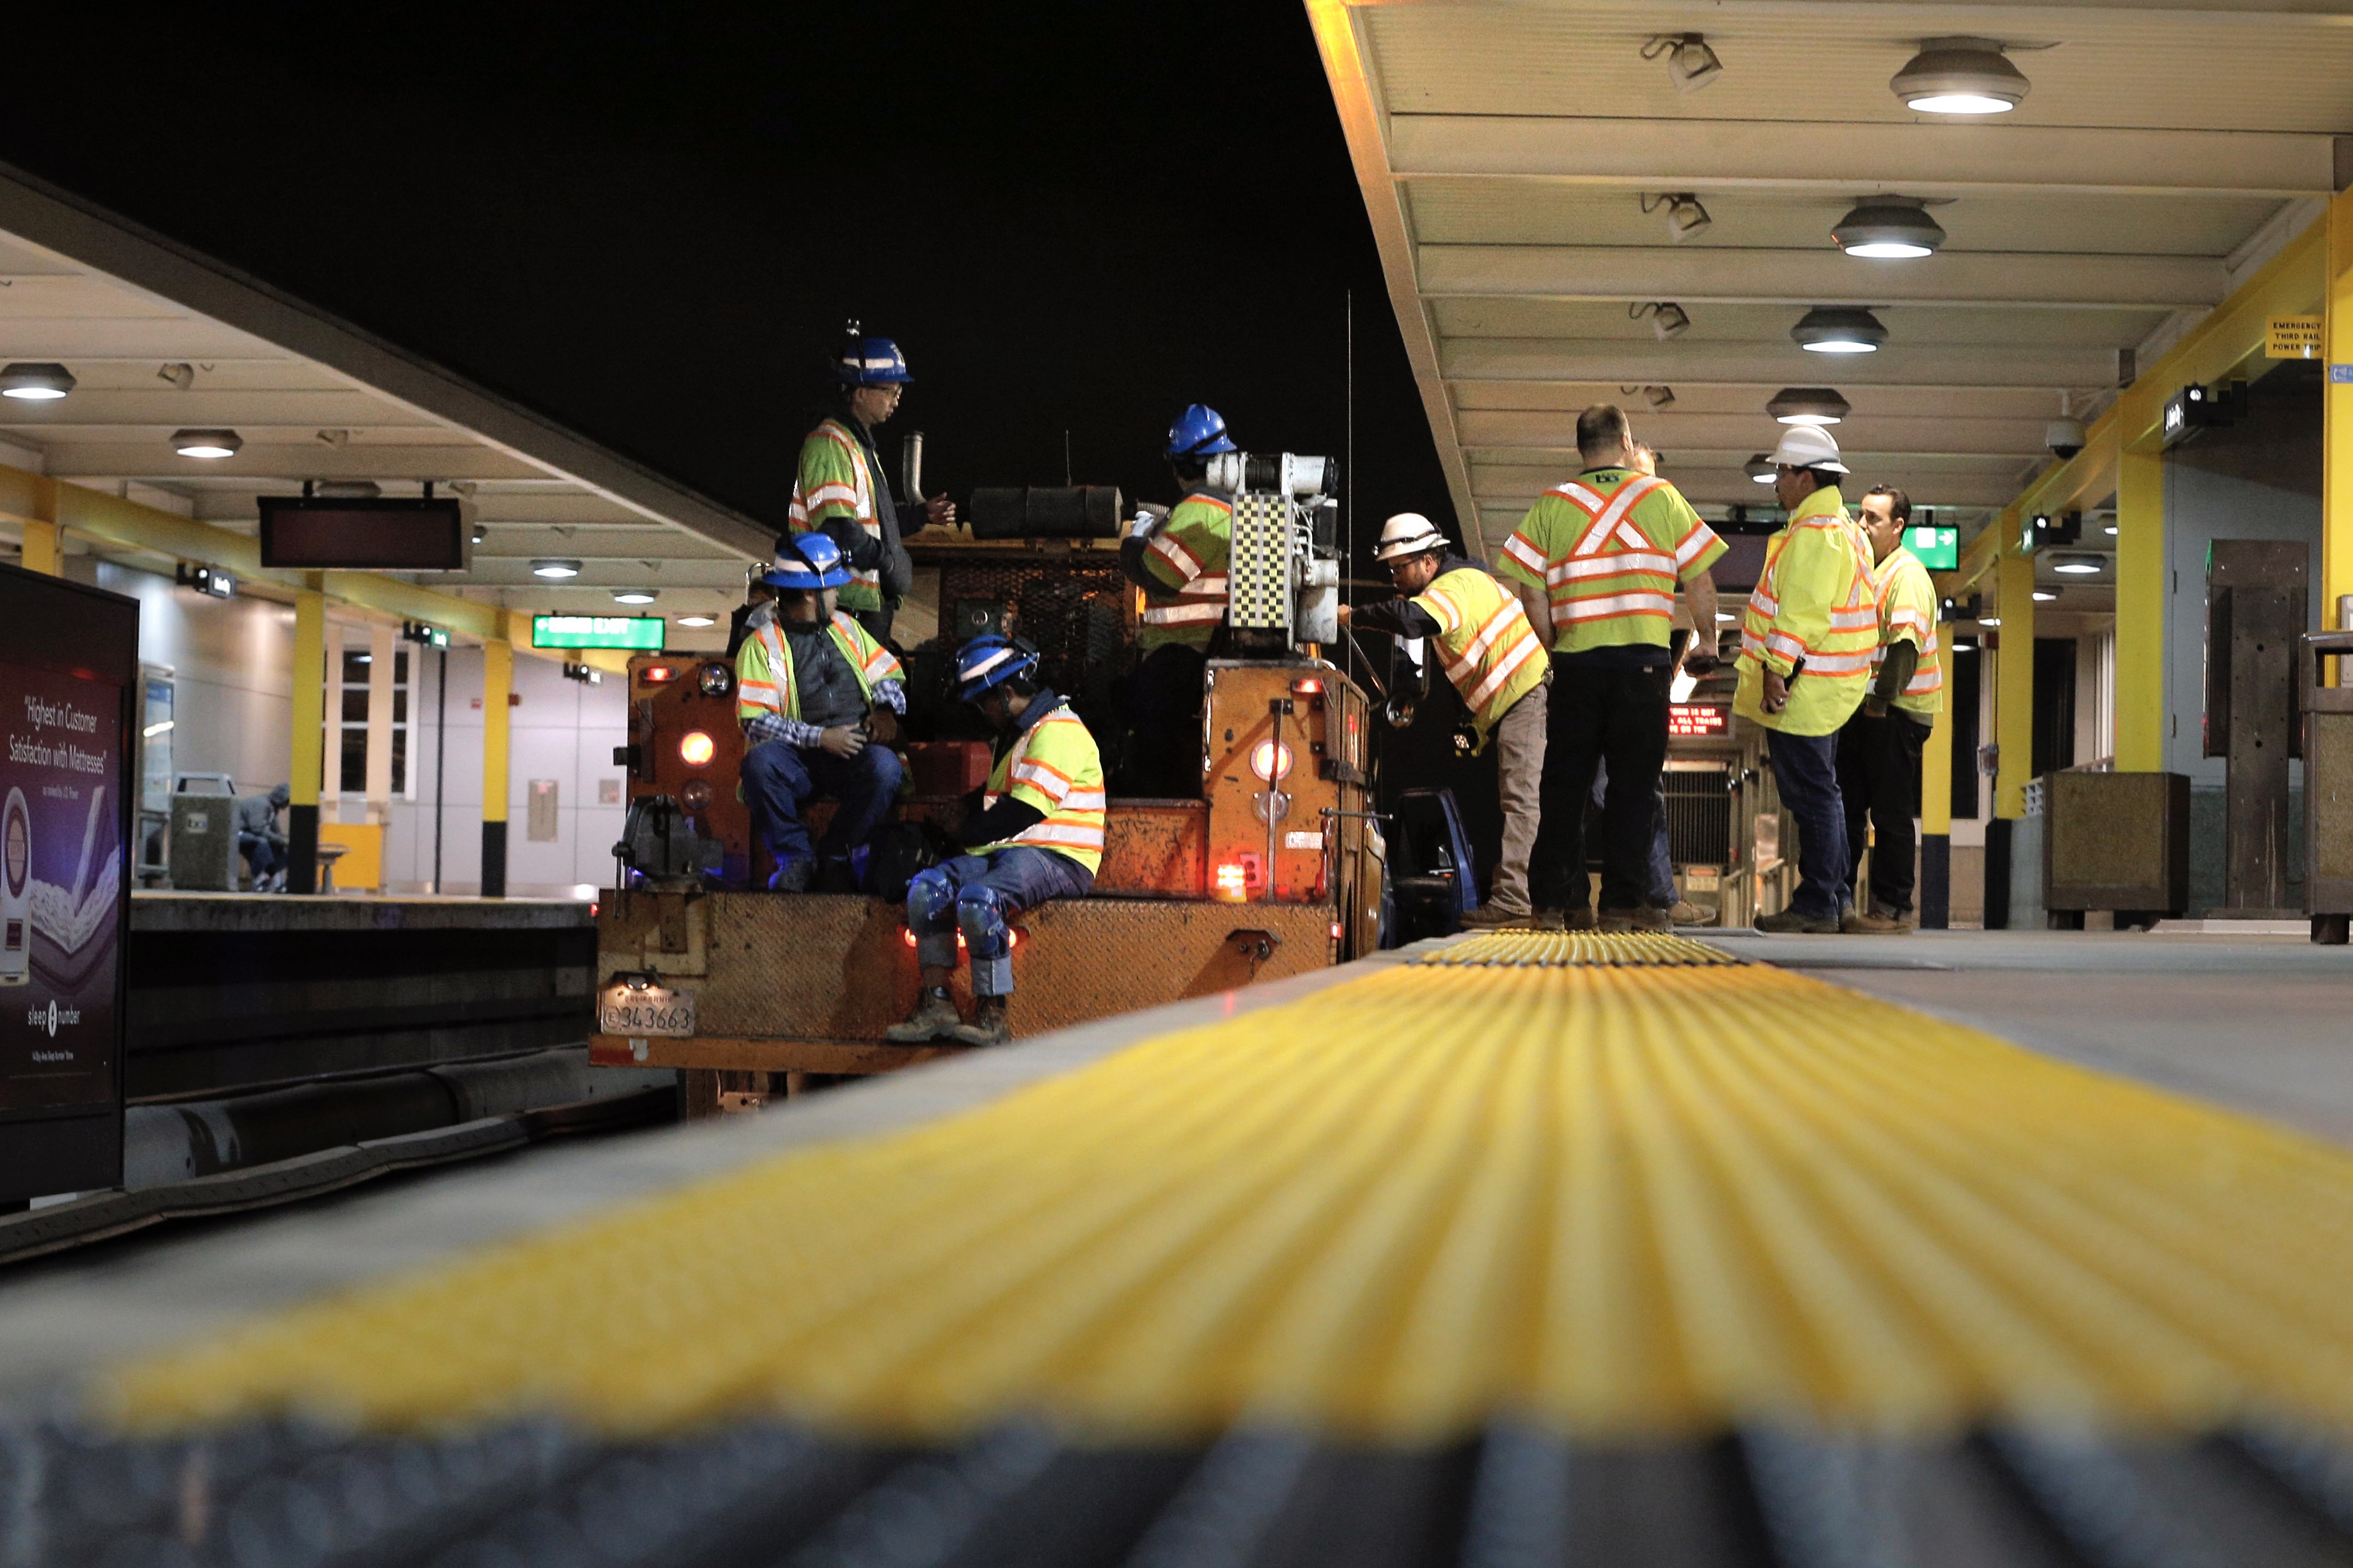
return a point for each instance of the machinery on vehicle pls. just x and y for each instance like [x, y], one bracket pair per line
[1277, 868]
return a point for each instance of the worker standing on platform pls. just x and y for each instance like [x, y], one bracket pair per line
[817, 696]
[1180, 561]
[843, 492]
[1879, 747]
[1805, 652]
[1607, 551]
[1491, 654]
[1038, 836]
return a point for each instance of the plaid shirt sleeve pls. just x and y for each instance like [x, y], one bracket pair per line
[765, 727]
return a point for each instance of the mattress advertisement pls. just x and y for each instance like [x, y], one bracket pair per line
[60, 877]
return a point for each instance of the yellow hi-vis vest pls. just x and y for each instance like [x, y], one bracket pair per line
[763, 668]
[832, 482]
[1907, 612]
[1814, 603]
[1190, 555]
[1609, 556]
[1055, 767]
[1485, 642]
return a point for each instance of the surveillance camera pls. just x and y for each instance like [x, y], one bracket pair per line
[2064, 436]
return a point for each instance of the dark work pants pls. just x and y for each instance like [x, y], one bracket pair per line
[1613, 716]
[778, 778]
[1805, 767]
[1162, 700]
[1879, 778]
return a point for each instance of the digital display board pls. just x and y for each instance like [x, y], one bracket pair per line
[1696, 719]
[1939, 548]
[334, 534]
[640, 634]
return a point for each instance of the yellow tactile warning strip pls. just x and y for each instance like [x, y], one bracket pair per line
[1641, 948]
[1618, 1200]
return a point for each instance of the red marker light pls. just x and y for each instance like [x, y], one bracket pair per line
[1335, 930]
[1307, 687]
[908, 934]
[1233, 884]
[655, 675]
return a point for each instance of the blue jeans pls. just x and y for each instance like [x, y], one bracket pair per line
[778, 778]
[978, 892]
[1806, 769]
[264, 856]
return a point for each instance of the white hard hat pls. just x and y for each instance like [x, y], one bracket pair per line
[1407, 533]
[1807, 447]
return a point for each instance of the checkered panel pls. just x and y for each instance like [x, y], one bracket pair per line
[1260, 573]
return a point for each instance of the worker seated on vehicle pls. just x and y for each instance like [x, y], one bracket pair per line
[1039, 836]
[818, 699]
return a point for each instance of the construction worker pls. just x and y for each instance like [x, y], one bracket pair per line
[1879, 747]
[1806, 651]
[1491, 653]
[818, 699]
[843, 492]
[1178, 559]
[1601, 556]
[1038, 836]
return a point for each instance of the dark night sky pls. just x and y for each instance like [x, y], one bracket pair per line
[649, 222]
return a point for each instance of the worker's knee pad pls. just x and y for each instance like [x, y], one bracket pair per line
[931, 901]
[980, 910]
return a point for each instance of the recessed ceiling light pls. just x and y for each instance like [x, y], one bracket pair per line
[1882, 228]
[35, 382]
[2045, 596]
[1959, 76]
[698, 621]
[1839, 329]
[1690, 64]
[552, 568]
[2111, 528]
[1759, 468]
[635, 596]
[2079, 565]
[206, 443]
[1808, 405]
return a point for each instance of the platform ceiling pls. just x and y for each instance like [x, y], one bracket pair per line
[2163, 152]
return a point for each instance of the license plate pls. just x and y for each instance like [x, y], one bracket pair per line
[654, 1010]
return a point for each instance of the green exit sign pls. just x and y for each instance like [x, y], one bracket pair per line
[641, 634]
[1939, 548]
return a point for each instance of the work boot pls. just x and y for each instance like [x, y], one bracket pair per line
[792, 877]
[989, 1025]
[833, 875]
[1686, 913]
[1878, 922]
[934, 1018]
[1796, 922]
[1487, 916]
[1577, 919]
[1544, 920]
[1644, 917]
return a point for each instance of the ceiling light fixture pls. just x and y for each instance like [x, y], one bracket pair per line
[35, 382]
[1808, 405]
[206, 443]
[179, 374]
[547, 567]
[1685, 217]
[2080, 565]
[1656, 396]
[1759, 468]
[1959, 76]
[698, 622]
[2045, 596]
[1667, 318]
[635, 596]
[1880, 228]
[1690, 64]
[1839, 330]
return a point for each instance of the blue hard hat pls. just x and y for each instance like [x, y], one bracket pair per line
[807, 562]
[990, 661]
[1199, 432]
[870, 361]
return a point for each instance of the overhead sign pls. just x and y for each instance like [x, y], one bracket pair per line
[2293, 337]
[332, 533]
[1939, 549]
[642, 634]
[1695, 718]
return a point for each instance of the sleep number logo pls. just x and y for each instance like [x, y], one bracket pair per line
[52, 1019]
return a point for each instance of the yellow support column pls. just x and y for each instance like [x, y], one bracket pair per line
[44, 544]
[1936, 805]
[309, 742]
[2337, 447]
[2140, 611]
[497, 683]
[2014, 717]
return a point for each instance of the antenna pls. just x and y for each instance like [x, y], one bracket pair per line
[1066, 456]
[1349, 473]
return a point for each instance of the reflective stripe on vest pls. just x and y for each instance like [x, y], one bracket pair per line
[1850, 649]
[1485, 642]
[1056, 758]
[1200, 601]
[858, 495]
[1592, 582]
[869, 661]
[1896, 619]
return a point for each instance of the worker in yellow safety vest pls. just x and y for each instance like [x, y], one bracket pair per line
[1597, 562]
[1038, 836]
[1879, 747]
[1489, 650]
[1806, 651]
[1178, 557]
[842, 491]
[818, 699]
